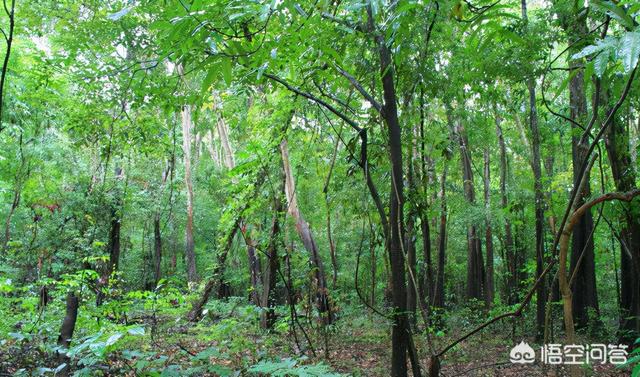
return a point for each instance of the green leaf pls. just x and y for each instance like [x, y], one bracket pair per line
[113, 339]
[206, 83]
[613, 10]
[118, 15]
[600, 63]
[629, 50]
[226, 71]
[136, 331]
[601, 45]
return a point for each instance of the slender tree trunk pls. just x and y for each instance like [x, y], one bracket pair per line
[541, 292]
[401, 337]
[585, 295]
[410, 244]
[7, 223]
[5, 64]
[302, 227]
[475, 266]
[190, 256]
[489, 293]
[617, 143]
[67, 328]
[438, 292]
[512, 265]
[157, 249]
[268, 316]
[157, 235]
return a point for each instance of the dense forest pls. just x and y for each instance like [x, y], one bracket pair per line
[319, 188]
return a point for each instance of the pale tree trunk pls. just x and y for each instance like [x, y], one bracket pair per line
[253, 258]
[302, 227]
[190, 256]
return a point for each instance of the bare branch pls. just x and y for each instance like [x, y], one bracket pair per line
[360, 89]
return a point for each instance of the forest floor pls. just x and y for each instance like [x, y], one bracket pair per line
[229, 342]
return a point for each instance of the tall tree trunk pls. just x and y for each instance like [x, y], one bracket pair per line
[157, 249]
[622, 169]
[489, 291]
[253, 259]
[157, 235]
[268, 315]
[410, 244]
[585, 295]
[541, 291]
[512, 265]
[67, 328]
[5, 64]
[187, 127]
[302, 227]
[438, 291]
[190, 256]
[401, 337]
[475, 265]
[113, 246]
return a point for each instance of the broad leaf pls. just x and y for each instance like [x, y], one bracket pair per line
[629, 50]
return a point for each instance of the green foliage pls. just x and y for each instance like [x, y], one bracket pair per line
[291, 367]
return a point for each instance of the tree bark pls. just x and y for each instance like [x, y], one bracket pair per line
[623, 172]
[400, 331]
[585, 295]
[67, 328]
[187, 126]
[489, 282]
[475, 266]
[5, 64]
[512, 265]
[302, 227]
[268, 315]
[438, 291]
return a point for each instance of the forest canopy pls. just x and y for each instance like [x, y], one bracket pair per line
[319, 187]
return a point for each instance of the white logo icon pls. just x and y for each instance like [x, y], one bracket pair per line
[522, 354]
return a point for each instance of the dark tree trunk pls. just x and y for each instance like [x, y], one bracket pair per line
[254, 271]
[511, 261]
[400, 330]
[113, 247]
[67, 328]
[585, 296]
[268, 315]
[410, 246]
[426, 281]
[617, 143]
[69, 321]
[5, 64]
[489, 291]
[438, 292]
[157, 248]
[475, 265]
[541, 291]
